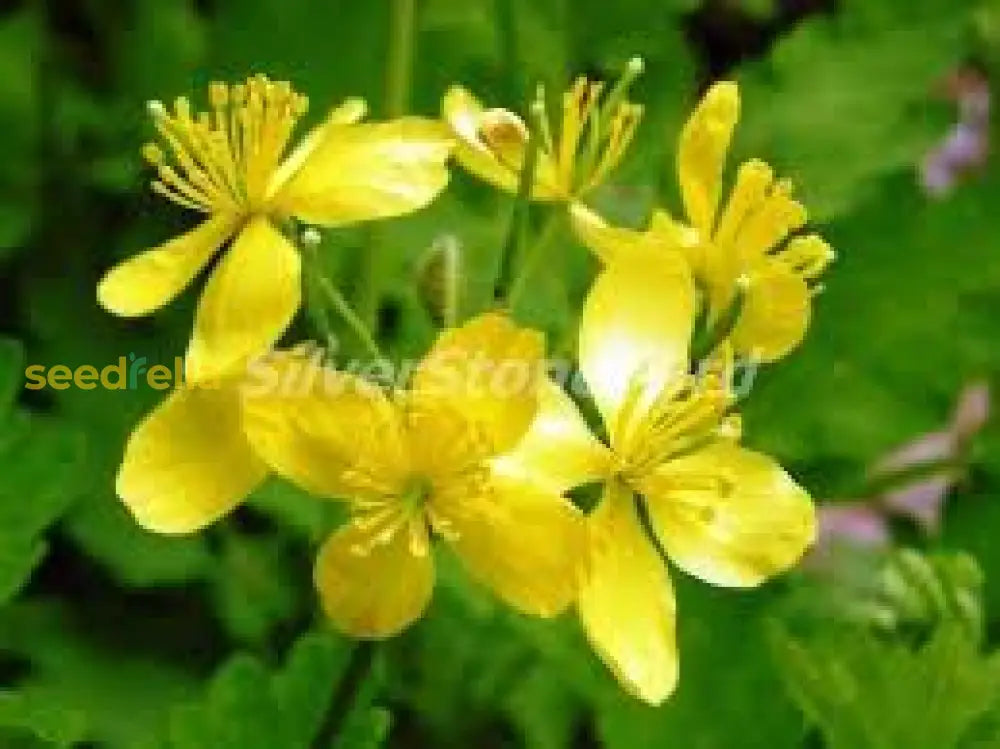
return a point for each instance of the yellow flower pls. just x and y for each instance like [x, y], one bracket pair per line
[725, 514]
[747, 253]
[229, 164]
[589, 144]
[419, 462]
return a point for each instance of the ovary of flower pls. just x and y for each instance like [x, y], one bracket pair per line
[232, 164]
[422, 462]
[592, 136]
[723, 513]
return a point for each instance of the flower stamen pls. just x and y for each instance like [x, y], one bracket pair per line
[222, 160]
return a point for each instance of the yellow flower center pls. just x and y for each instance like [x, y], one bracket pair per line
[416, 491]
[223, 161]
[682, 418]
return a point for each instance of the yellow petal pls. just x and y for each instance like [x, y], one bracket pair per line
[492, 144]
[489, 369]
[331, 433]
[626, 600]
[754, 180]
[635, 330]
[368, 171]
[775, 313]
[150, 280]
[672, 233]
[247, 304]
[559, 451]
[521, 540]
[464, 115]
[612, 244]
[351, 111]
[729, 516]
[702, 151]
[767, 220]
[374, 586]
[187, 463]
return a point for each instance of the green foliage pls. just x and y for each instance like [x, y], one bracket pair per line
[20, 105]
[861, 400]
[40, 456]
[246, 707]
[842, 85]
[866, 693]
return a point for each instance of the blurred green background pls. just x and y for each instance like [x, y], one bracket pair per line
[112, 637]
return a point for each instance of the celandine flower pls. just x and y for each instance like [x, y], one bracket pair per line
[422, 462]
[590, 142]
[742, 255]
[727, 515]
[229, 163]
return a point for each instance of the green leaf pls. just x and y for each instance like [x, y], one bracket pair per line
[843, 101]
[247, 707]
[868, 693]
[41, 457]
[20, 50]
[41, 719]
[81, 675]
[882, 361]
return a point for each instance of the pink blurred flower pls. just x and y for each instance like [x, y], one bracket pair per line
[863, 524]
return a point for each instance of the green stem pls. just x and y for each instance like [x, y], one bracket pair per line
[532, 254]
[347, 694]
[398, 79]
[506, 24]
[401, 47]
[331, 297]
[718, 327]
[516, 242]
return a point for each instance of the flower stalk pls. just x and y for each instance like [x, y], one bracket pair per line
[323, 290]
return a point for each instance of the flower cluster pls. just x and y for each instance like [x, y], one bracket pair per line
[491, 472]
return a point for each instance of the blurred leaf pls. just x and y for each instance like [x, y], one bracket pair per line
[367, 729]
[843, 101]
[136, 557]
[248, 707]
[866, 693]
[83, 679]
[20, 54]
[159, 46]
[882, 360]
[253, 587]
[41, 457]
[61, 727]
[285, 40]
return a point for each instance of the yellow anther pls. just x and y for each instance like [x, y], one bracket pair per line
[156, 109]
[218, 94]
[153, 154]
[505, 135]
[182, 106]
